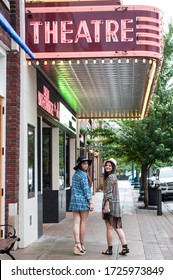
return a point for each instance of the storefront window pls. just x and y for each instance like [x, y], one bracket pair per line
[67, 162]
[39, 151]
[61, 159]
[1, 100]
[47, 160]
[31, 161]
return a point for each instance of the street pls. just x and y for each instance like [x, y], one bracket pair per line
[169, 203]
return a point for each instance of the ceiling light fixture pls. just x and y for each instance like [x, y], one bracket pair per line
[136, 60]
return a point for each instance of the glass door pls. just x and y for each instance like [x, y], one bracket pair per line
[47, 158]
[39, 178]
[67, 156]
[1, 189]
[61, 160]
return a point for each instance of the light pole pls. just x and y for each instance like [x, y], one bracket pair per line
[136, 180]
[141, 190]
[132, 182]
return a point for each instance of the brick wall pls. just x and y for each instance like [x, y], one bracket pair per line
[4, 37]
[13, 116]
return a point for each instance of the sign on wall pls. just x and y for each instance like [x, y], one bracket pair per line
[49, 101]
[67, 119]
[59, 31]
[46, 102]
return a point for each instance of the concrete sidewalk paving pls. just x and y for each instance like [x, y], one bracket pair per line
[150, 237]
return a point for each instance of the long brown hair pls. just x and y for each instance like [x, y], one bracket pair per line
[106, 174]
[89, 179]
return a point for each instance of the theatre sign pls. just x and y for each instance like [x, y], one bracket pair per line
[105, 59]
[93, 31]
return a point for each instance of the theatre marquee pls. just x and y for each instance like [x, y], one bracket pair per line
[93, 31]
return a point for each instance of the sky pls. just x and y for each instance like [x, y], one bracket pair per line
[165, 5]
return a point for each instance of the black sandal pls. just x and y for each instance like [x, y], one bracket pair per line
[108, 251]
[125, 250]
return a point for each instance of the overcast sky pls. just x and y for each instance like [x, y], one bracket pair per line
[165, 5]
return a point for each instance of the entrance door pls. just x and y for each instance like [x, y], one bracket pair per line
[47, 158]
[67, 156]
[1, 189]
[40, 189]
[50, 197]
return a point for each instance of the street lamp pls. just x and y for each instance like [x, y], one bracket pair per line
[141, 190]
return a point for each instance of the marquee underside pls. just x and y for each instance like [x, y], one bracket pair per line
[104, 88]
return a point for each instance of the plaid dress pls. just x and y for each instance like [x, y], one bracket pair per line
[111, 193]
[80, 192]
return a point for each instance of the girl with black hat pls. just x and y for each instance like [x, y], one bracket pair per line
[81, 202]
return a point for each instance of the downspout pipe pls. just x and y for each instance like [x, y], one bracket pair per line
[8, 28]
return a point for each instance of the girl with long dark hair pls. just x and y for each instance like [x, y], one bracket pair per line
[111, 212]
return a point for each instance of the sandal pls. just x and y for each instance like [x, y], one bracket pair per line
[77, 250]
[108, 251]
[83, 247]
[125, 250]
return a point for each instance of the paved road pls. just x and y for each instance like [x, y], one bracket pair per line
[169, 204]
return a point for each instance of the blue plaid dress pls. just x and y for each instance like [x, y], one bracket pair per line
[80, 192]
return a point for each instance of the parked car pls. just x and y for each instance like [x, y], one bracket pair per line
[163, 177]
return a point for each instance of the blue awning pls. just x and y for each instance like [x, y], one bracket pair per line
[8, 28]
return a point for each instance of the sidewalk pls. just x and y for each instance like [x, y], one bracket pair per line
[150, 237]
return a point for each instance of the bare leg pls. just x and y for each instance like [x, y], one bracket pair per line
[121, 235]
[122, 238]
[83, 219]
[109, 237]
[80, 218]
[109, 233]
[76, 228]
[76, 231]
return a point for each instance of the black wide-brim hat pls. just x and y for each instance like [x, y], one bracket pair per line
[81, 159]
